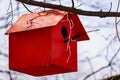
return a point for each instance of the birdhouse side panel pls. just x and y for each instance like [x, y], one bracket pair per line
[29, 48]
[78, 27]
[61, 54]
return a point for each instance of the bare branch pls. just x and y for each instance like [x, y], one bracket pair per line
[60, 2]
[73, 10]
[110, 7]
[91, 67]
[11, 13]
[27, 8]
[116, 22]
[18, 9]
[8, 72]
[93, 30]
[104, 67]
[114, 56]
[73, 4]
[3, 54]
[10, 75]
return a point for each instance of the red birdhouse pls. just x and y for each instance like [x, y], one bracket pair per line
[45, 43]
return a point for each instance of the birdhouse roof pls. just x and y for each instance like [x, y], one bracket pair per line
[37, 20]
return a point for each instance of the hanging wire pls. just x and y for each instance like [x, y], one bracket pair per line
[69, 38]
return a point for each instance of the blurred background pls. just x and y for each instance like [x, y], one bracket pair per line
[93, 55]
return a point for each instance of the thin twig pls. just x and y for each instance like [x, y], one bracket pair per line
[11, 14]
[118, 50]
[93, 30]
[10, 75]
[110, 7]
[59, 2]
[5, 55]
[79, 5]
[104, 67]
[57, 77]
[11, 11]
[116, 23]
[8, 72]
[27, 8]
[73, 4]
[18, 8]
[91, 67]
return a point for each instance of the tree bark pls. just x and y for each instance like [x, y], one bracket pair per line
[116, 77]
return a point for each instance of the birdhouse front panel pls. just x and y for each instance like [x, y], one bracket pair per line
[29, 48]
[45, 43]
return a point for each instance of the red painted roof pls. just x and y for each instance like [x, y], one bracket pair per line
[37, 20]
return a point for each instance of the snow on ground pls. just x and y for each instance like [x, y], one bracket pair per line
[93, 49]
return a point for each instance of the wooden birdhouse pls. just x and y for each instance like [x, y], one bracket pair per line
[45, 43]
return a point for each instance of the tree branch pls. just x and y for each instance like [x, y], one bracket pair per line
[116, 77]
[117, 22]
[27, 8]
[91, 67]
[104, 67]
[71, 9]
[4, 54]
[8, 72]
[73, 4]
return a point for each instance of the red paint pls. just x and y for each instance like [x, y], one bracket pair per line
[36, 45]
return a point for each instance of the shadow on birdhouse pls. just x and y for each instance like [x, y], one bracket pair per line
[45, 43]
